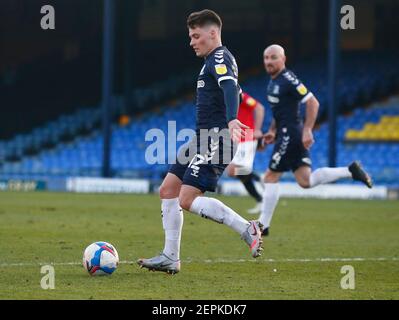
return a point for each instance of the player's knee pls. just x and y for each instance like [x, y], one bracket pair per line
[271, 177]
[168, 192]
[230, 174]
[304, 184]
[231, 171]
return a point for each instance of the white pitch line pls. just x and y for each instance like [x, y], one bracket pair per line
[301, 260]
[220, 260]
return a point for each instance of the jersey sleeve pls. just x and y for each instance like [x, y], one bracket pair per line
[248, 102]
[298, 89]
[222, 67]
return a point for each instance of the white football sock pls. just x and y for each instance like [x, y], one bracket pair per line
[172, 221]
[327, 175]
[216, 210]
[270, 200]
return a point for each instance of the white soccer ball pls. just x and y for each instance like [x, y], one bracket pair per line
[100, 258]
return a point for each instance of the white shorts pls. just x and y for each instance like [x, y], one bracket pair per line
[244, 156]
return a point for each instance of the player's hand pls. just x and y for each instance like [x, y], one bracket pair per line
[307, 138]
[258, 134]
[261, 144]
[269, 137]
[237, 130]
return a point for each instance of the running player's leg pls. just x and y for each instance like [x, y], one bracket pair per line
[172, 215]
[308, 179]
[280, 162]
[172, 222]
[201, 176]
[270, 198]
[193, 200]
[301, 166]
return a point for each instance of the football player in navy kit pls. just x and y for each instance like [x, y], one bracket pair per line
[184, 186]
[293, 139]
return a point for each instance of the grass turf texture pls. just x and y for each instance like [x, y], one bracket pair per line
[38, 228]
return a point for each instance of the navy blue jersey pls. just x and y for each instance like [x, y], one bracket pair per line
[285, 94]
[219, 65]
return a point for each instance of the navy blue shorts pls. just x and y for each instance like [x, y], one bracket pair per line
[202, 163]
[289, 152]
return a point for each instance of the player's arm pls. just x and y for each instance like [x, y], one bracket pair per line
[225, 72]
[259, 117]
[270, 136]
[232, 101]
[312, 108]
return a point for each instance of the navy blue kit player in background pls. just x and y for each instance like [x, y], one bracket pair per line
[187, 181]
[293, 138]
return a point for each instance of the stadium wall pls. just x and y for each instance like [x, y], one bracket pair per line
[331, 191]
[229, 188]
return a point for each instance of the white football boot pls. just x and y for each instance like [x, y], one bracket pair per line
[253, 237]
[160, 263]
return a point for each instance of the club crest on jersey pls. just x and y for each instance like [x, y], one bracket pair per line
[221, 69]
[276, 89]
[302, 89]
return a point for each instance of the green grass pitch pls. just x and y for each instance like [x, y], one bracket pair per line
[309, 243]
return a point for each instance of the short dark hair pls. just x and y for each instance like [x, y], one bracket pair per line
[203, 18]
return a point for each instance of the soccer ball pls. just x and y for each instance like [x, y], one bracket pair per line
[100, 258]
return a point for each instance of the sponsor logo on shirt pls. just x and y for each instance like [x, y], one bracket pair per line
[302, 89]
[273, 99]
[221, 69]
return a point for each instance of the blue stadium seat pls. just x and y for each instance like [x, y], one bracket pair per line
[65, 148]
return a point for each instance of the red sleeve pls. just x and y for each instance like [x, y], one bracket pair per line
[248, 101]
